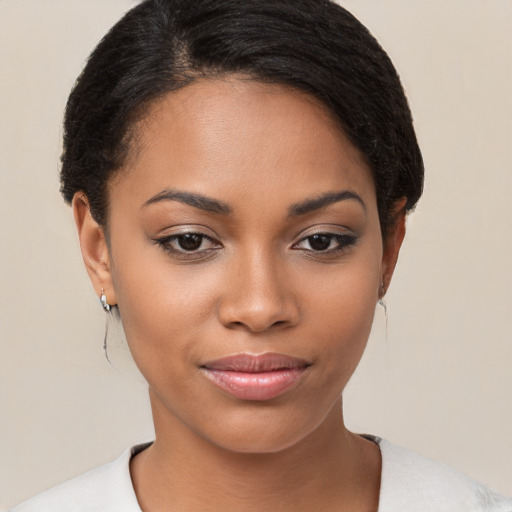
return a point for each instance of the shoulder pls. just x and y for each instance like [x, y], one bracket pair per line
[107, 488]
[412, 482]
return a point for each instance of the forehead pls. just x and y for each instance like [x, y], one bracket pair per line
[232, 137]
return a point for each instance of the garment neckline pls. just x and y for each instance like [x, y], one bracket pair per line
[139, 448]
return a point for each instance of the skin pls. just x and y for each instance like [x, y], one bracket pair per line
[256, 285]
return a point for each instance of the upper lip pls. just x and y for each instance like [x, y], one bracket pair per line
[250, 363]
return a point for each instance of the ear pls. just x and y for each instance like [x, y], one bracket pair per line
[93, 245]
[392, 244]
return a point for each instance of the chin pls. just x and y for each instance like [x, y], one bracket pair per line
[264, 431]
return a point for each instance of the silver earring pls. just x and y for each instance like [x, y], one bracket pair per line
[115, 346]
[382, 302]
[104, 304]
[106, 307]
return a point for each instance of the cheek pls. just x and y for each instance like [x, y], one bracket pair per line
[162, 305]
[164, 312]
[342, 307]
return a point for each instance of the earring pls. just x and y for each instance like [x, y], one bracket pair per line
[106, 307]
[382, 302]
[103, 299]
[115, 346]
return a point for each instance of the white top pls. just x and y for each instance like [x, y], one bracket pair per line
[409, 483]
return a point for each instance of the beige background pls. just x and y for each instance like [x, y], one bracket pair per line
[439, 383]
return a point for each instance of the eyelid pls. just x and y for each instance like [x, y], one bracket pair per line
[184, 229]
[325, 229]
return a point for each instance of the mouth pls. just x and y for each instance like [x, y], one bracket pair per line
[255, 377]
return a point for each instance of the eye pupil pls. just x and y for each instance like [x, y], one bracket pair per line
[320, 242]
[190, 242]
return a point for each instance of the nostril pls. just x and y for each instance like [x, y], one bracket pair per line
[256, 328]
[257, 312]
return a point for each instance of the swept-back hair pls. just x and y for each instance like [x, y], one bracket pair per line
[312, 45]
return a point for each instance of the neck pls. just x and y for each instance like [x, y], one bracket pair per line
[331, 469]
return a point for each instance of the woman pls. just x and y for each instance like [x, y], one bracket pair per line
[240, 173]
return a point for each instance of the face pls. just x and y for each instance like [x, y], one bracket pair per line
[245, 256]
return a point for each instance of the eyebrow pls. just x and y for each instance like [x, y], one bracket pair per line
[209, 204]
[316, 203]
[196, 200]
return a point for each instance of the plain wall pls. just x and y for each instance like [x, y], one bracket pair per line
[438, 381]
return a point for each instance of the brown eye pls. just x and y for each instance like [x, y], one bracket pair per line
[190, 241]
[320, 242]
[326, 243]
[191, 245]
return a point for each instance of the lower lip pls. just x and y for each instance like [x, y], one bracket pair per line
[255, 386]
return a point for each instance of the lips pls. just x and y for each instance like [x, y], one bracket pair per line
[255, 377]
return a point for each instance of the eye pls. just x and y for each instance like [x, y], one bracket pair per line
[188, 244]
[326, 243]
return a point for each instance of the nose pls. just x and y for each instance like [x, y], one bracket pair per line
[258, 295]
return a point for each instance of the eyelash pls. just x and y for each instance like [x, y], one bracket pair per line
[166, 241]
[344, 242]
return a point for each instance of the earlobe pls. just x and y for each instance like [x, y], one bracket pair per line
[392, 245]
[93, 245]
